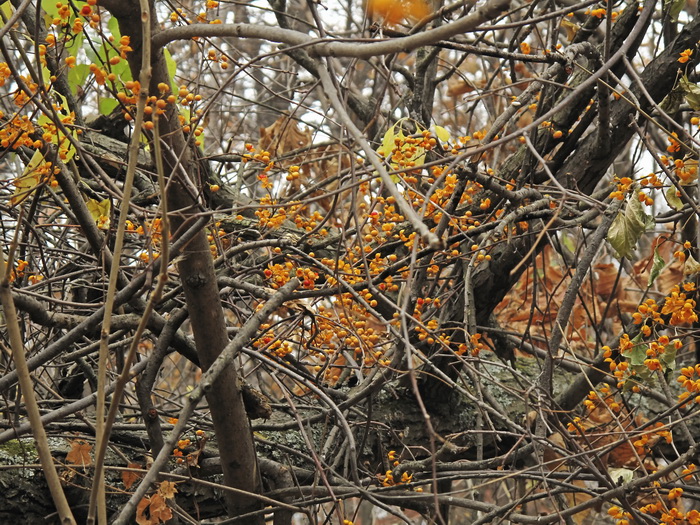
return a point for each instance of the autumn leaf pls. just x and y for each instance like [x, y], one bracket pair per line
[688, 173]
[284, 136]
[167, 489]
[628, 227]
[100, 212]
[153, 510]
[6, 8]
[394, 141]
[691, 266]
[458, 86]
[442, 134]
[129, 477]
[31, 178]
[159, 510]
[79, 453]
[393, 12]
[570, 28]
[673, 199]
[141, 517]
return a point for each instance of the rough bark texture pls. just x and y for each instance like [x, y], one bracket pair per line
[25, 495]
[198, 277]
[588, 163]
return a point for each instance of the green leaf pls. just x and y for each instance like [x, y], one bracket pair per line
[671, 103]
[674, 8]
[628, 227]
[77, 76]
[638, 353]
[567, 240]
[668, 358]
[673, 200]
[102, 56]
[113, 26]
[51, 11]
[172, 69]
[107, 105]
[75, 43]
[691, 92]
[656, 268]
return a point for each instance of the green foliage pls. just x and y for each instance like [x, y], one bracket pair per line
[674, 8]
[77, 76]
[172, 69]
[628, 227]
[107, 105]
[672, 198]
[637, 356]
[691, 92]
[658, 265]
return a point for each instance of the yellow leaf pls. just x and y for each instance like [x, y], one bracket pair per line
[100, 211]
[570, 28]
[442, 134]
[387, 142]
[167, 489]
[31, 178]
[6, 9]
[688, 174]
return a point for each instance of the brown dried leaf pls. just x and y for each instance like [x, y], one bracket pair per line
[459, 87]
[153, 510]
[167, 489]
[160, 512]
[141, 518]
[283, 136]
[553, 459]
[79, 453]
[129, 477]
[606, 276]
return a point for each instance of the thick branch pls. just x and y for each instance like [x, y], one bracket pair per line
[323, 47]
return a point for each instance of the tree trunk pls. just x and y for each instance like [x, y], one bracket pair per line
[197, 275]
